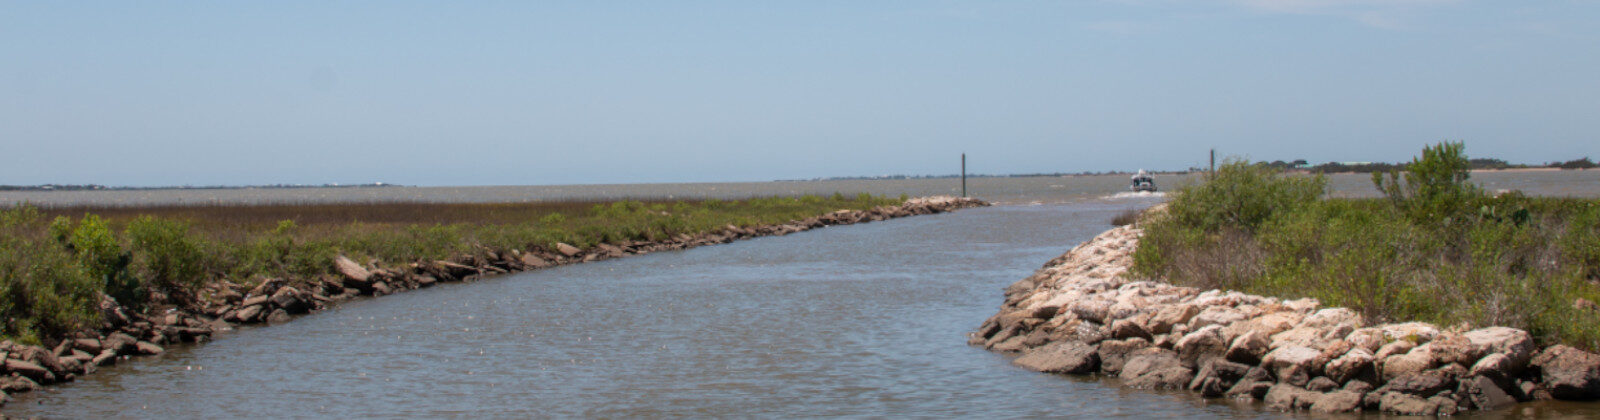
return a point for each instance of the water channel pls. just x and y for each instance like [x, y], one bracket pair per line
[856, 321]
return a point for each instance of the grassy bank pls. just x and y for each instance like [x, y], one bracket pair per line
[56, 262]
[1435, 248]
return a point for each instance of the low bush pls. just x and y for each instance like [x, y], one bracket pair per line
[45, 289]
[165, 256]
[1434, 248]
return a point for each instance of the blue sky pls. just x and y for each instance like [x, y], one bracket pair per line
[493, 93]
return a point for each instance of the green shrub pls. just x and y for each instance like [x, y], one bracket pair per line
[165, 255]
[1434, 248]
[44, 289]
[1240, 195]
[1434, 186]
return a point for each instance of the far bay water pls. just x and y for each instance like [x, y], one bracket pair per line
[1020, 190]
[854, 321]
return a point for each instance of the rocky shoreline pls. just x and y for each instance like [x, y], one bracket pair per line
[223, 305]
[1080, 314]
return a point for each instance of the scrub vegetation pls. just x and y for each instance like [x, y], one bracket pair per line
[1434, 248]
[55, 263]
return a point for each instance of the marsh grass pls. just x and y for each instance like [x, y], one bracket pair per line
[1426, 251]
[56, 262]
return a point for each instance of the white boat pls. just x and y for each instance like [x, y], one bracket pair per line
[1142, 181]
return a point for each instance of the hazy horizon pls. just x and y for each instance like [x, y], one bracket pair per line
[478, 93]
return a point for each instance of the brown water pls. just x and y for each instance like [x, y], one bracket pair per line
[857, 321]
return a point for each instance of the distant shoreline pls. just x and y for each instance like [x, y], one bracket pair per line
[98, 187]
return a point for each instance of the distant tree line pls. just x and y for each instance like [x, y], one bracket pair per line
[1367, 167]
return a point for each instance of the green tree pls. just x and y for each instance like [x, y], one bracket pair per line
[1433, 186]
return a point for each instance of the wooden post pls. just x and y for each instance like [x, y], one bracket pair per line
[1213, 169]
[963, 175]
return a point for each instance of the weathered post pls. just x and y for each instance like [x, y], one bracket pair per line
[963, 175]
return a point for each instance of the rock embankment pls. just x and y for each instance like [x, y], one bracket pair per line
[1081, 314]
[223, 305]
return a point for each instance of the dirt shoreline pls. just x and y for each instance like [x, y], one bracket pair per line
[222, 305]
[1082, 314]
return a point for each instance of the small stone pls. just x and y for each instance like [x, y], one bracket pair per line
[278, 316]
[1407, 404]
[1322, 384]
[567, 250]
[1338, 402]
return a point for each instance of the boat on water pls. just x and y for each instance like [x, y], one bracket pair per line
[1142, 181]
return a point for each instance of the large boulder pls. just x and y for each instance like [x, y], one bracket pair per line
[1155, 368]
[1568, 373]
[1336, 322]
[1369, 338]
[1485, 394]
[1202, 345]
[533, 261]
[567, 250]
[1216, 315]
[1338, 402]
[1248, 348]
[30, 370]
[1496, 366]
[1322, 384]
[1062, 357]
[289, 299]
[1114, 353]
[1216, 377]
[119, 343]
[1415, 361]
[1284, 360]
[1450, 348]
[1407, 404]
[1147, 360]
[89, 345]
[248, 314]
[1285, 397]
[1356, 363]
[146, 348]
[1394, 348]
[1096, 310]
[1421, 384]
[16, 385]
[1516, 345]
[1127, 328]
[1169, 316]
[354, 274]
[254, 300]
